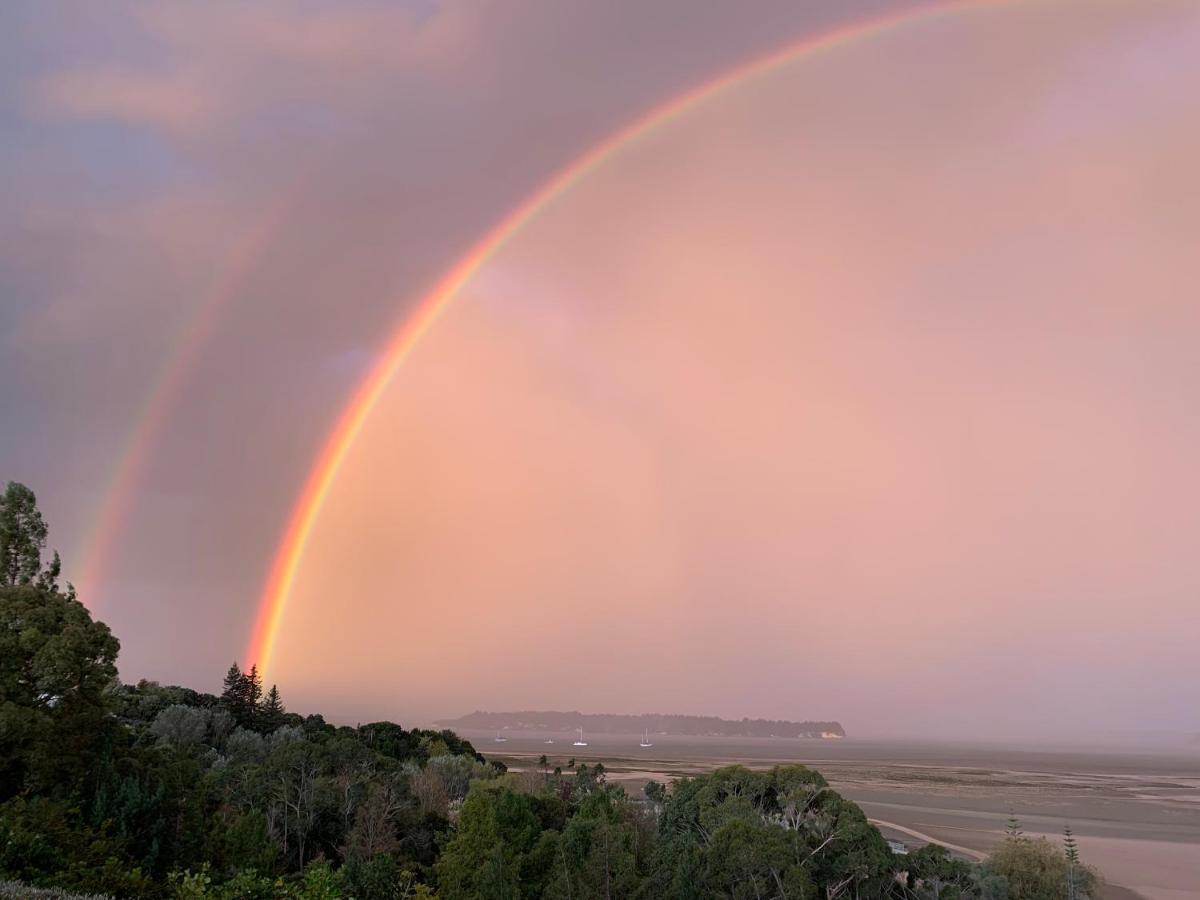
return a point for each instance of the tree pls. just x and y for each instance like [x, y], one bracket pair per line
[301, 795]
[22, 536]
[1012, 828]
[752, 860]
[655, 792]
[272, 712]
[233, 694]
[254, 689]
[497, 829]
[933, 868]
[56, 664]
[1071, 852]
[242, 696]
[596, 853]
[374, 829]
[1036, 869]
[179, 726]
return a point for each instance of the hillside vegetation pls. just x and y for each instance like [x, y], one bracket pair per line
[157, 791]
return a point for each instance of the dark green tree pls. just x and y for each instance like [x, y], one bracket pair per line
[271, 714]
[596, 853]
[55, 667]
[242, 695]
[22, 539]
[655, 792]
[938, 874]
[235, 695]
[1071, 851]
[254, 688]
[497, 830]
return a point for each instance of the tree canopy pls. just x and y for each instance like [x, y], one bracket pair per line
[149, 790]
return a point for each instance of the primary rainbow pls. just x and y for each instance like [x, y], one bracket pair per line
[337, 445]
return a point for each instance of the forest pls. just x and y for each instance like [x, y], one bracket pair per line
[145, 790]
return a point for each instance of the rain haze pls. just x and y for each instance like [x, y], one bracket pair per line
[864, 387]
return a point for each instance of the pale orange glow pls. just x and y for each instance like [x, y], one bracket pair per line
[324, 471]
[798, 415]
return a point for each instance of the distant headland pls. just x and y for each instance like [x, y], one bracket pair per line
[655, 723]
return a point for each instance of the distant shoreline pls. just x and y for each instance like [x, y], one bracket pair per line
[646, 723]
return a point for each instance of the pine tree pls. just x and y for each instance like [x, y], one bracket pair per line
[236, 696]
[232, 694]
[1071, 849]
[1069, 845]
[254, 687]
[272, 712]
[1013, 828]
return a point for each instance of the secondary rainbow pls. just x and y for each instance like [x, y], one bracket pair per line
[307, 507]
[117, 498]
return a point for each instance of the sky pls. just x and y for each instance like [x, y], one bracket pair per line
[867, 389]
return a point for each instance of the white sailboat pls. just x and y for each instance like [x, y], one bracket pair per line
[646, 739]
[500, 739]
[581, 742]
[548, 741]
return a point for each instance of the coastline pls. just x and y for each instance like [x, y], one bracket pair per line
[1137, 819]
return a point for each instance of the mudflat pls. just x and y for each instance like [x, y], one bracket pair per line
[1135, 812]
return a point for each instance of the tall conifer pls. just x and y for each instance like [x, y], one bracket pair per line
[272, 713]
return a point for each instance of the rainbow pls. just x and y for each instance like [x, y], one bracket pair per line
[307, 508]
[117, 497]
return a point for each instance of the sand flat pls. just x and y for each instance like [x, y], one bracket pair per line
[1136, 814]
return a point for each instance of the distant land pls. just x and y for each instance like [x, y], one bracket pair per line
[655, 723]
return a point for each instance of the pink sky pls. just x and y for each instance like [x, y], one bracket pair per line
[867, 391]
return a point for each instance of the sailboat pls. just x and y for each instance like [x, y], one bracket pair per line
[500, 739]
[548, 741]
[581, 742]
[646, 739]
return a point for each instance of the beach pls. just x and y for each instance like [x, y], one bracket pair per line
[1135, 812]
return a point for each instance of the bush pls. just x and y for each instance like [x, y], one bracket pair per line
[1037, 870]
[42, 842]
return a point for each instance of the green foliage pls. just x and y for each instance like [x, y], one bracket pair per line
[596, 853]
[43, 843]
[56, 665]
[749, 860]
[22, 538]
[271, 713]
[153, 791]
[378, 877]
[1070, 848]
[320, 882]
[655, 792]
[242, 697]
[497, 830]
[782, 831]
[1037, 870]
[932, 871]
